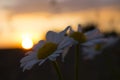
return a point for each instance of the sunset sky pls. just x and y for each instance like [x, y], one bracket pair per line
[36, 17]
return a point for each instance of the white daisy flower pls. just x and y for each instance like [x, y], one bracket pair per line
[91, 42]
[47, 49]
[90, 52]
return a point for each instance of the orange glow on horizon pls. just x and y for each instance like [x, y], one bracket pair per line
[37, 24]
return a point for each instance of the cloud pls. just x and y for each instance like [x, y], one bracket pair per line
[29, 6]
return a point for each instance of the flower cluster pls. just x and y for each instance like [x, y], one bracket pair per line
[91, 42]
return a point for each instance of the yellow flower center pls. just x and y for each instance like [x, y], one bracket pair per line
[98, 47]
[78, 36]
[46, 50]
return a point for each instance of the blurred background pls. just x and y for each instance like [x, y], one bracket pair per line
[24, 22]
[33, 18]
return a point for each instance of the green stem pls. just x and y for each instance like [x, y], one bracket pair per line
[77, 62]
[56, 67]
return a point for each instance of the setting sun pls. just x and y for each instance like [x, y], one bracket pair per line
[27, 42]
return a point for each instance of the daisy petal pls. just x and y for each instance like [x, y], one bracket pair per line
[110, 41]
[23, 64]
[66, 42]
[58, 51]
[71, 31]
[89, 53]
[54, 37]
[65, 53]
[42, 61]
[93, 34]
[38, 45]
[55, 55]
[29, 57]
[58, 38]
[79, 28]
[27, 53]
[95, 41]
[50, 36]
[30, 64]
[64, 31]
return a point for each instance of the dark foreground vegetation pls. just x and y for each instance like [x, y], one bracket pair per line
[103, 67]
